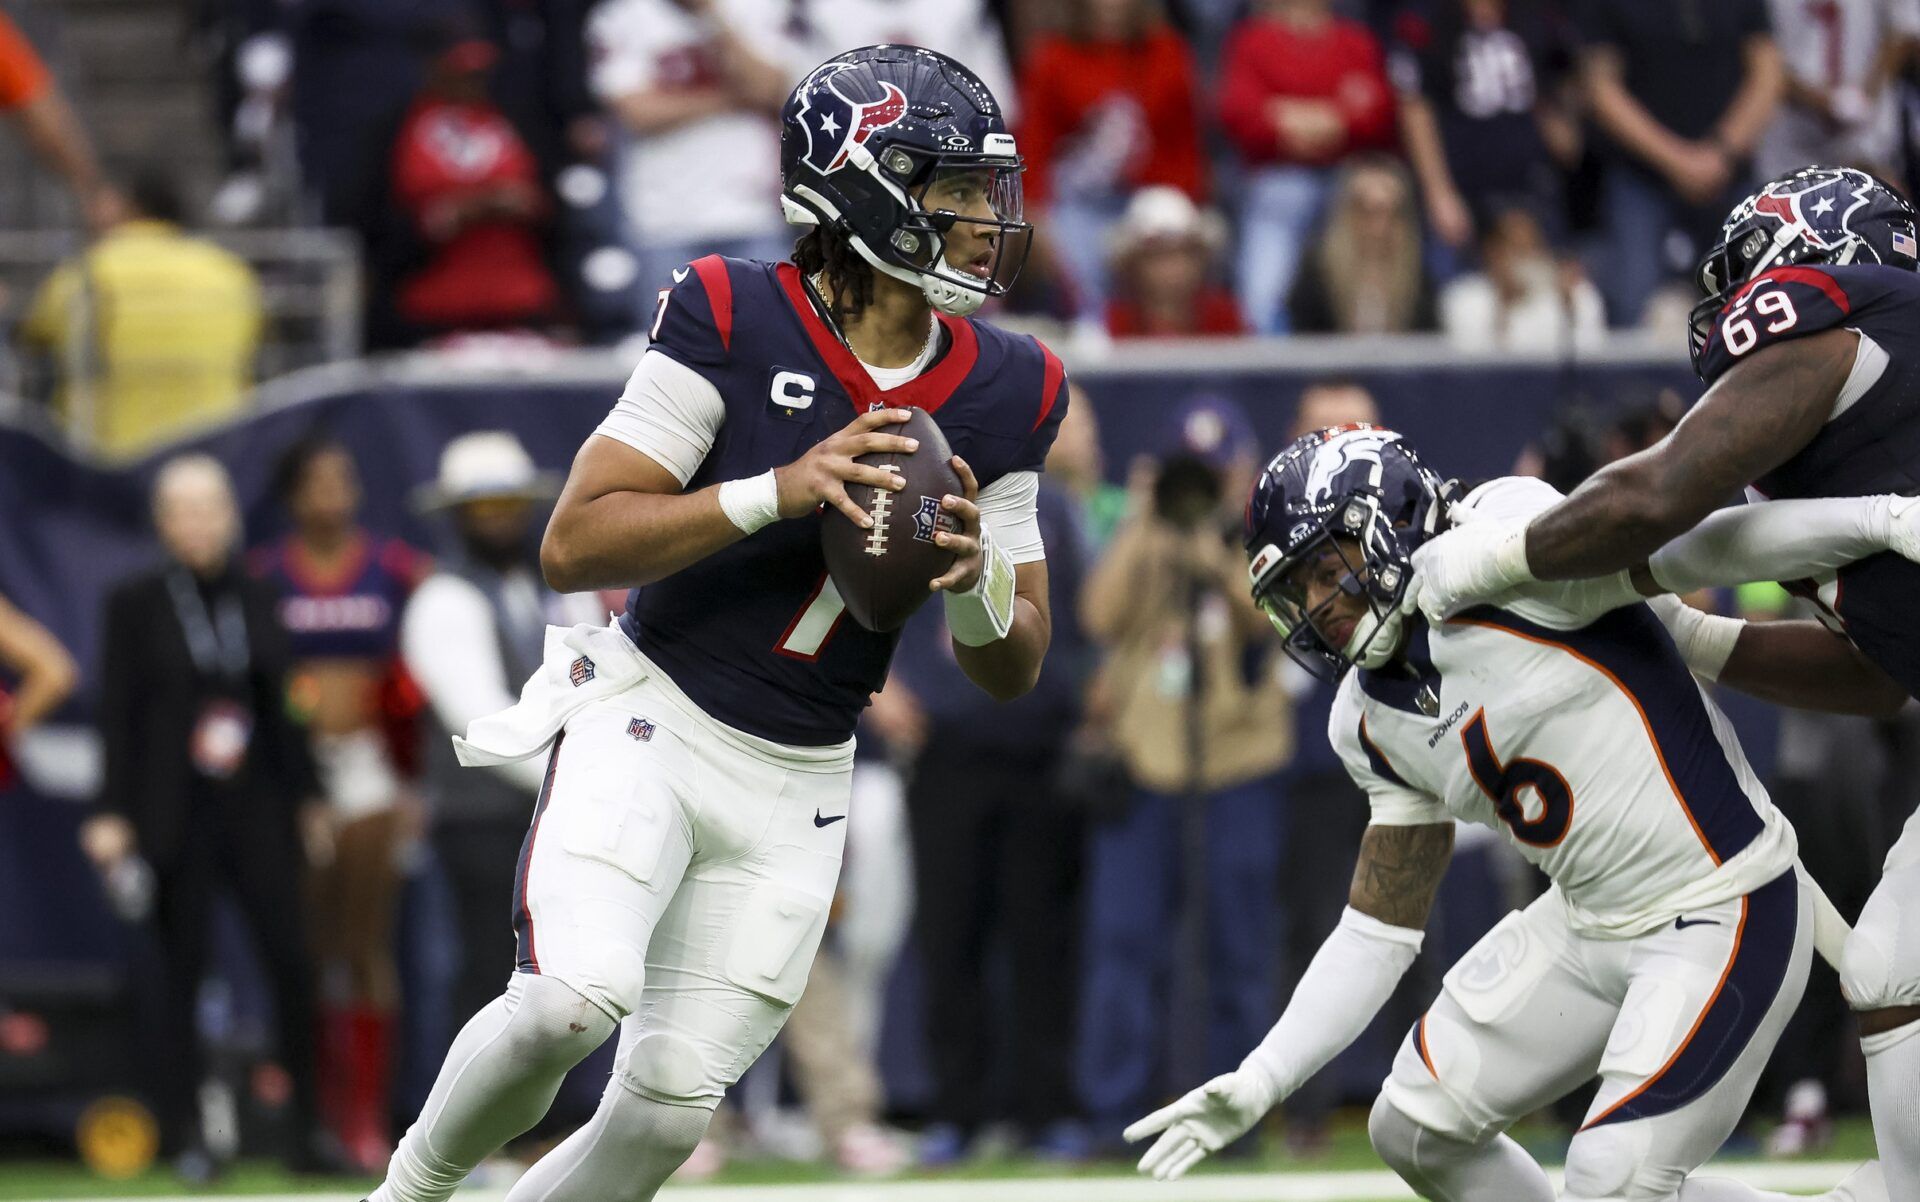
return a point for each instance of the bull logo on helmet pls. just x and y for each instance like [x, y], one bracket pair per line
[835, 122]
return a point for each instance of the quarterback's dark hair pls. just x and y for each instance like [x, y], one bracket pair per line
[848, 277]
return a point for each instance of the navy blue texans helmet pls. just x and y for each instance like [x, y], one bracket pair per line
[894, 147]
[1820, 215]
[1357, 492]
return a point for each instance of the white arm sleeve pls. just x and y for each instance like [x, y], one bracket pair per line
[448, 643]
[1351, 977]
[1010, 508]
[1774, 540]
[669, 413]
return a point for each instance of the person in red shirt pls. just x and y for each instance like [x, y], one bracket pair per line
[1301, 91]
[1108, 105]
[1166, 267]
[471, 188]
[34, 105]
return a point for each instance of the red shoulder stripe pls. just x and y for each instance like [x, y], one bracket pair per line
[1050, 384]
[1801, 275]
[719, 286]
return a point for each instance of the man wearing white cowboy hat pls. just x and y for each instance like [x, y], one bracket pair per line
[471, 633]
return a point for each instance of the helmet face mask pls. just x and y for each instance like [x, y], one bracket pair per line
[905, 154]
[1833, 216]
[1283, 589]
[1338, 515]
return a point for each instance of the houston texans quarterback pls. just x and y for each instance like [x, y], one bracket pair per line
[683, 853]
[1674, 942]
[1809, 338]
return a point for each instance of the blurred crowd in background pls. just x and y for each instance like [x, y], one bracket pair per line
[1055, 912]
[1522, 175]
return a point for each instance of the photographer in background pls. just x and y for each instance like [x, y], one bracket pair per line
[1204, 728]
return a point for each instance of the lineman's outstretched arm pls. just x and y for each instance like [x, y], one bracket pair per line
[1350, 979]
[1798, 663]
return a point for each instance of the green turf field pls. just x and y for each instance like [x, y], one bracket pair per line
[1347, 1173]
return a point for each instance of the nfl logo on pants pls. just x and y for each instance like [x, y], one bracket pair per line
[640, 729]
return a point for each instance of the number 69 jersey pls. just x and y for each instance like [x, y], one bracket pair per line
[1580, 737]
[1871, 441]
[755, 634]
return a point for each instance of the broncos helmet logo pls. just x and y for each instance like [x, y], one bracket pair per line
[1339, 455]
[835, 122]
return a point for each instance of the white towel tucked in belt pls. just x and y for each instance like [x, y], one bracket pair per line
[583, 664]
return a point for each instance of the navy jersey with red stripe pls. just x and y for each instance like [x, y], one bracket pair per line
[755, 633]
[1870, 445]
[350, 612]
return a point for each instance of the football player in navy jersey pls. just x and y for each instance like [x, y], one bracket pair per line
[1809, 340]
[683, 853]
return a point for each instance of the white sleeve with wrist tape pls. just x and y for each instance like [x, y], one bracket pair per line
[1351, 977]
[1774, 540]
[669, 413]
[1010, 507]
[1705, 641]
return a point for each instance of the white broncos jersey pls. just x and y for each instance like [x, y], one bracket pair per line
[1566, 721]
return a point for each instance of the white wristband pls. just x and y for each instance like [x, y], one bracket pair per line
[984, 613]
[751, 503]
[1705, 641]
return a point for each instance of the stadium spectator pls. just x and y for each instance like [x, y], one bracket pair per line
[1483, 114]
[1188, 669]
[473, 192]
[997, 858]
[36, 107]
[341, 590]
[472, 633]
[1301, 91]
[1522, 299]
[153, 330]
[43, 673]
[695, 85]
[1078, 466]
[1681, 91]
[1842, 98]
[1364, 274]
[210, 784]
[1166, 266]
[1107, 105]
[357, 64]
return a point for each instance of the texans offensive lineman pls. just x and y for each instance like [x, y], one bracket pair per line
[1809, 338]
[683, 853]
[1674, 942]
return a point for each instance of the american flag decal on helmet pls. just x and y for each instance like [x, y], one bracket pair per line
[1904, 244]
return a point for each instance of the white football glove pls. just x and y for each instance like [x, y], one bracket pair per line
[1473, 562]
[1205, 1121]
[1904, 534]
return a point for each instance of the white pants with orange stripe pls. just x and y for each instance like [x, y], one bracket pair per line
[1677, 1024]
[678, 874]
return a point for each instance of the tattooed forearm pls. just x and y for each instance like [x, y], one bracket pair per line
[1754, 419]
[1399, 871]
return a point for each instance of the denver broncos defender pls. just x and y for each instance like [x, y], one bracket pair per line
[1674, 942]
[684, 851]
[1809, 338]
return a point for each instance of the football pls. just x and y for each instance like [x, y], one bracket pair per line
[882, 573]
